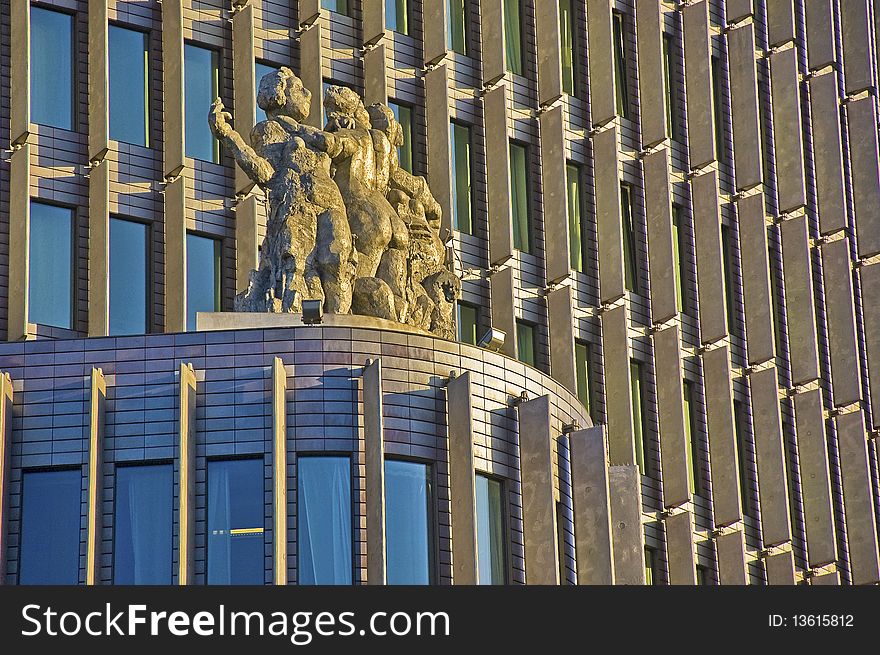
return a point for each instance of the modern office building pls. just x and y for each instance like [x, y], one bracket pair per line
[670, 209]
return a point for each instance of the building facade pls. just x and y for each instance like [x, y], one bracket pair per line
[668, 208]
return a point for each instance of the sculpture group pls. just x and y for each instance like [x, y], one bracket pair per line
[346, 224]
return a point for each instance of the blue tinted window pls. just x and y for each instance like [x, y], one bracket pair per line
[235, 522]
[201, 69]
[339, 6]
[202, 277]
[397, 15]
[323, 520]
[128, 277]
[50, 278]
[144, 517]
[490, 531]
[260, 70]
[127, 61]
[407, 522]
[51, 68]
[50, 527]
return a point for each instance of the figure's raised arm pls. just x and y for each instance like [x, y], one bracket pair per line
[257, 168]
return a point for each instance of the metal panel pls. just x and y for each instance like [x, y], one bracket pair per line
[310, 58]
[661, 258]
[549, 53]
[434, 14]
[730, 550]
[861, 528]
[99, 250]
[501, 294]
[279, 469]
[772, 484]
[94, 524]
[175, 255]
[680, 549]
[243, 83]
[19, 71]
[99, 115]
[841, 320]
[173, 137]
[498, 174]
[246, 241]
[827, 152]
[673, 440]
[492, 32]
[460, 415]
[758, 304]
[826, 579]
[373, 20]
[626, 525]
[710, 265]
[5, 466]
[722, 438]
[780, 21]
[820, 34]
[780, 569]
[555, 194]
[437, 119]
[308, 11]
[790, 189]
[592, 506]
[618, 393]
[866, 176]
[19, 238]
[374, 470]
[600, 59]
[561, 319]
[612, 284]
[652, 94]
[737, 9]
[698, 81]
[747, 154]
[187, 475]
[375, 76]
[538, 497]
[855, 31]
[814, 477]
[798, 278]
[870, 288]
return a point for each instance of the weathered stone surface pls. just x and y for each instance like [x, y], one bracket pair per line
[347, 225]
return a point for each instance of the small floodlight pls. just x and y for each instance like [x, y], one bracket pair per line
[493, 339]
[313, 312]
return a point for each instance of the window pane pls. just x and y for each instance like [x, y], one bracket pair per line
[490, 532]
[397, 15]
[461, 177]
[582, 356]
[693, 451]
[670, 81]
[467, 324]
[202, 277]
[575, 247]
[458, 26]
[513, 36]
[50, 280]
[679, 248]
[201, 79]
[128, 277]
[525, 343]
[127, 61]
[339, 6]
[620, 67]
[720, 143]
[235, 522]
[519, 198]
[51, 68]
[567, 43]
[745, 486]
[638, 414]
[408, 522]
[323, 520]
[142, 545]
[630, 268]
[403, 115]
[729, 282]
[259, 71]
[50, 527]
[649, 566]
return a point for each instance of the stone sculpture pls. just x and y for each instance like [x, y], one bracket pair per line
[347, 225]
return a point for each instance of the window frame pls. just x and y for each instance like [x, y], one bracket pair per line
[218, 258]
[148, 91]
[432, 514]
[640, 431]
[588, 377]
[149, 268]
[505, 524]
[576, 88]
[576, 169]
[620, 63]
[465, 28]
[458, 305]
[74, 296]
[217, 71]
[407, 13]
[510, 43]
[631, 268]
[74, 65]
[409, 141]
[524, 226]
[454, 125]
[533, 329]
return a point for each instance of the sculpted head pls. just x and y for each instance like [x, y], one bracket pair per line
[282, 93]
[344, 109]
[382, 119]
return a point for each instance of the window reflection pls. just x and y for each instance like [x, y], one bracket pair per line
[128, 85]
[142, 546]
[50, 277]
[51, 61]
[408, 524]
[50, 527]
[128, 276]
[202, 277]
[490, 531]
[201, 68]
